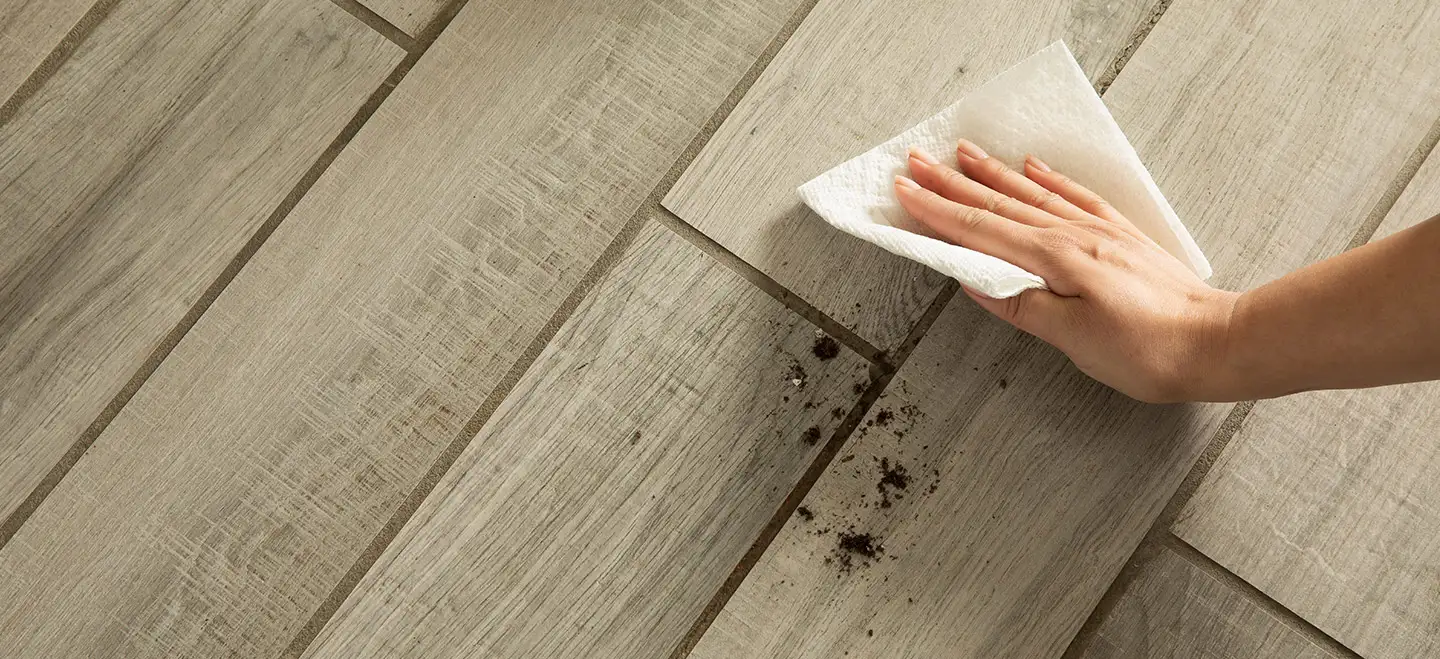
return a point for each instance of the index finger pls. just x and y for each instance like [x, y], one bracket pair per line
[970, 227]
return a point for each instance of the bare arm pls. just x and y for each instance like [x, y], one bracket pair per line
[1133, 317]
[1368, 317]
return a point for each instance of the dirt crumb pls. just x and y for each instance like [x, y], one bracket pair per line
[856, 549]
[826, 348]
[797, 375]
[838, 413]
[884, 417]
[805, 513]
[893, 477]
[1003, 383]
[635, 438]
[811, 435]
[859, 388]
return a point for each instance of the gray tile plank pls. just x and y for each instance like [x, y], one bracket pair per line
[224, 503]
[620, 482]
[1327, 501]
[1274, 130]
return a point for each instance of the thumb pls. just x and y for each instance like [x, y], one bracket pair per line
[1035, 311]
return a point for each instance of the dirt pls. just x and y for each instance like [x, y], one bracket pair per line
[838, 413]
[1003, 383]
[826, 348]
[893, 478]
[859, 388]
[856, 549]
[811, 435]
[635, 438]
[805, 514]
[796, 375]
[884, 417]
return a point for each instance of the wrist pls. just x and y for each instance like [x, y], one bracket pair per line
[1216, 376]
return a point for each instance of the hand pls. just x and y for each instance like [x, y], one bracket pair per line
[1126, 312]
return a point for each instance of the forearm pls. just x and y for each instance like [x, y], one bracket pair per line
[1368, 317]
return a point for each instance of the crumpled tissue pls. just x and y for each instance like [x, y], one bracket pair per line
[1043, 105]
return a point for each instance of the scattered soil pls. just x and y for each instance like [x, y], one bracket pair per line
[635, 438]
[826, 348]
[892, 479]
[856, 549]
[805, 514]
[1003, 383]
[811, 435]
[838, 413]
[859, 388]
[796, 376]
[884, 417]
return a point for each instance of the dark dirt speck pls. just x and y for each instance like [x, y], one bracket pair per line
[811, 435]
[635, 438]
[892, 478]
[805, 513]
[1003, 383]
[826, 348]
[856, 549]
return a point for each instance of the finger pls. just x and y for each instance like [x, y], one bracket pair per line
[1035, 311]
[994, 174]
[971, 227]
[953, 185]
[1070, 191]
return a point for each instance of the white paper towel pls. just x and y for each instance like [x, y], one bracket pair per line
[1044, 106]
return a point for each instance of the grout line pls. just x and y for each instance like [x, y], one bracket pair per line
[452, 451]
[12, 523]
[1159, 533]
[1402, 180]
[1137, 37]
[1154, 539]
[378, 23]
[880, 376]
[57, 57]
[763, 281]
[648, 210]
[1257, 597]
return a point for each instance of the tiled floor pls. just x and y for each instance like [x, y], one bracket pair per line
[493, 328]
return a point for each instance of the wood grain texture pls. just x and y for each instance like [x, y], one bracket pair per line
[620, 482]
[29, 30]
[1046, 480]
[1328, 501]
[132, 178]
[852, 76]
[227, 499]
[411, 16]
[1174, 610]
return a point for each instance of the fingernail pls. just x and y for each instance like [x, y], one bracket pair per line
[1037, 163]
[905, 182]
[968, 148]
[921, 155]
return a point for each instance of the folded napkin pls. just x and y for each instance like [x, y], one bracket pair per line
[1044, 105]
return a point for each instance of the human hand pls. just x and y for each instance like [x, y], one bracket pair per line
[1125, 311]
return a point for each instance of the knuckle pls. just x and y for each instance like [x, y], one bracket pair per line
[1048, 201]
[953, 179]
[966, 216]
[1059, 242]
[999, 204]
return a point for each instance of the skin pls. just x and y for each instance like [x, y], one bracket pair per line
[1133, 317]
